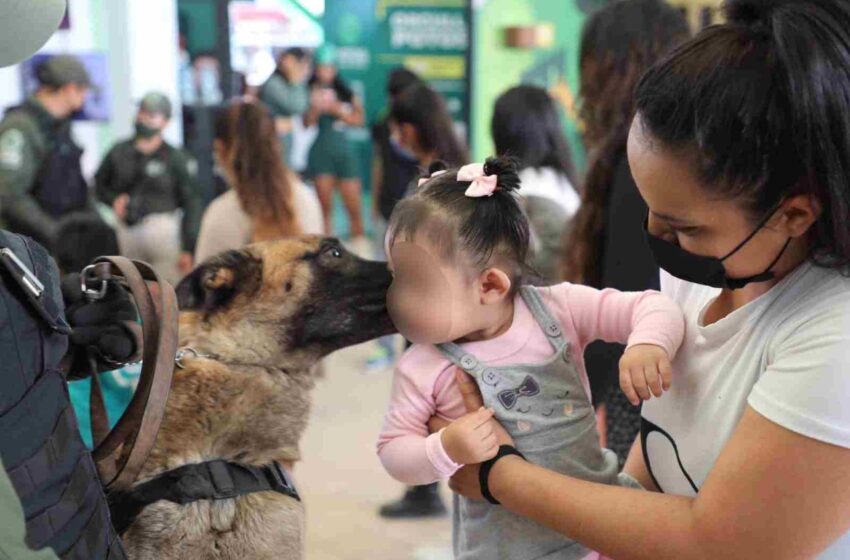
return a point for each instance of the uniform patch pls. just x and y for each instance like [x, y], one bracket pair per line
[192, 167]
[12, 144]
[155, 168]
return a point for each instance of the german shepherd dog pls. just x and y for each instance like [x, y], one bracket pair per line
[259, 319]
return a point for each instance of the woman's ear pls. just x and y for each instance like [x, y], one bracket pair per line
[799, 213]
[494, 286]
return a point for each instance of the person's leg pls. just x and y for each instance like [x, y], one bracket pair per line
[325, 191]
[353, 199]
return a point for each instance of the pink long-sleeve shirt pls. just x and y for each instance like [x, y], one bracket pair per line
[424, 384]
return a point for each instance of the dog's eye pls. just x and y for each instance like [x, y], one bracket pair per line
[334, 252]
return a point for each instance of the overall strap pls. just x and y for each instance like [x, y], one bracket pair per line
[464, 360]
[544, 318]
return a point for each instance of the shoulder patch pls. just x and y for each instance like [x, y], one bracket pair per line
[192, 166]
[12, 144]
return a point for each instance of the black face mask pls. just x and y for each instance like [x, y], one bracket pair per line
[145, 131]
[708, 271]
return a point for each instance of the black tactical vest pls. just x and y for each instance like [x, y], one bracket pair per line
[47, 462]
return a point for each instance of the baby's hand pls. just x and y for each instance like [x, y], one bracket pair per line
[471, 439]
[645, 368]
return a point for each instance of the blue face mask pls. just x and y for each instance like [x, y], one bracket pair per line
[701, 269]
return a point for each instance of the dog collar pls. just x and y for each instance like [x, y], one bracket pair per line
[188, 352]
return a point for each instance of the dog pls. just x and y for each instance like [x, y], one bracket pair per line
[258, 320]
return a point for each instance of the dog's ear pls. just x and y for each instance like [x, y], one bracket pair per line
[217, 281]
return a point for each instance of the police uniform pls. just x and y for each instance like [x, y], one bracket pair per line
[40, 175]
[164, 212]
[49, 467]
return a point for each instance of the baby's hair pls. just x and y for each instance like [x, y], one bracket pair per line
[483, 231]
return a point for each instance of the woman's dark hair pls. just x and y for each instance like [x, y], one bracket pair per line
[426, 110]
[252, 158]
[485, 229]
[400, 78]
[761, 105]
[82, 237]
[618, 44]
[526, 125]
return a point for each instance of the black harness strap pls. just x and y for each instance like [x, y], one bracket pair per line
[212, 480]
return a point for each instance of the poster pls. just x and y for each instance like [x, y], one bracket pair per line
[98, 104]
[430, 37]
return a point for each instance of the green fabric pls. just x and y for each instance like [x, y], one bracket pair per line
[24, 143]
[283, 98]
[13, 527]
[160, 182]
[117, 387]
[331, 153]
[64, 69]
[156, 103]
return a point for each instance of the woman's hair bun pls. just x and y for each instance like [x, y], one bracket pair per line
[506, 168]
[752, 12]
[437, 165]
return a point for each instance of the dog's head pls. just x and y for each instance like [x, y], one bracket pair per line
[303, 297]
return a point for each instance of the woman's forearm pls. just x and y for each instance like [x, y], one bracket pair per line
[649, 525]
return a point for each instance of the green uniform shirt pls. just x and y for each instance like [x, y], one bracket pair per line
[25, 141]
[13, 527]
[161, 182]
[284, 98]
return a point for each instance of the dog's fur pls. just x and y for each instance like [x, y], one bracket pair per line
[266, 315]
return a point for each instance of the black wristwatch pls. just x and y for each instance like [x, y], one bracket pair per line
[484, 472]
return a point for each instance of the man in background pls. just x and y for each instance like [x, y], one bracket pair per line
[152, 188]
[41, 179]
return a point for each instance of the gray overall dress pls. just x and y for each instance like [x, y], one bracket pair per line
[548, 413]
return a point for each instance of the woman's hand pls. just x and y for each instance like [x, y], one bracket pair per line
[645, 371]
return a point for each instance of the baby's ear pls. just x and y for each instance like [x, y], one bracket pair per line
[494, 285]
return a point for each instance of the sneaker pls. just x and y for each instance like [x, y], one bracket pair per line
[418, 501]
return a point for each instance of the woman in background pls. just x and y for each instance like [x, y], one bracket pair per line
[527, 126]
[266, 201]
[332, 162]
[618, 44]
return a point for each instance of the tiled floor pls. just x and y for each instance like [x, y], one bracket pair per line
[342, 481]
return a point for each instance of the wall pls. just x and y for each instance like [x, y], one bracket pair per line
[140, 39]
[497, 67]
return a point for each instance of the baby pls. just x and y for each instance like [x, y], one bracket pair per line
[457, 249]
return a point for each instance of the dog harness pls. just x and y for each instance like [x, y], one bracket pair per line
[211, 480]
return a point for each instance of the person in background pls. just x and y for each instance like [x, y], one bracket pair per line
[393, 169]
[421, 125]
[152, 188]
[331, 163]
[266, 200]
[526, 125]
[82, 238]
[286, 95]
[41, 179]
[602, 249]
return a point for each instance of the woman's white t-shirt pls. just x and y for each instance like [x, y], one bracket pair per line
[785, 354]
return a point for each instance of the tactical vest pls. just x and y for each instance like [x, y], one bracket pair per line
[46, 460]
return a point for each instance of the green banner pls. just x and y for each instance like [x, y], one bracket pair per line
[430, 37]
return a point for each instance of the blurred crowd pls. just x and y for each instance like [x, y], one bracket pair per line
[281, 154]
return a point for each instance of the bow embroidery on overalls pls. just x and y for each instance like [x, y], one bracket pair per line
[529, 388]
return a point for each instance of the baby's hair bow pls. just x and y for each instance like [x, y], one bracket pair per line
[481, 184]
[423, 180]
